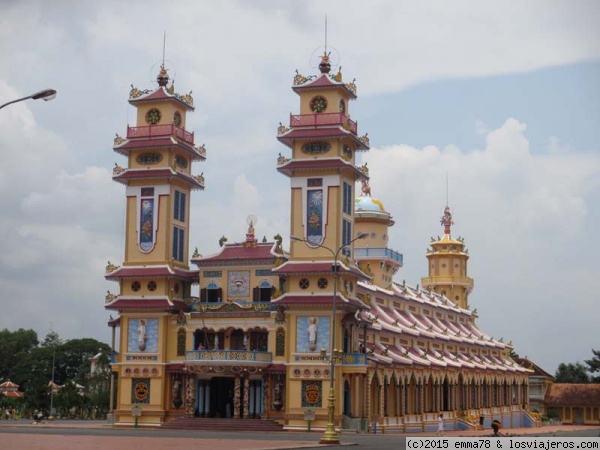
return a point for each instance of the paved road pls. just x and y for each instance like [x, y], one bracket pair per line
[87, 435]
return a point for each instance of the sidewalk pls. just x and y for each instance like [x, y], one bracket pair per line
[506, 432]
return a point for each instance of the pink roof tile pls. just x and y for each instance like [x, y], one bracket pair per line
[237, 251]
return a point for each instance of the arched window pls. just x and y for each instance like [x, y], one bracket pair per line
[212, 293]
[263, 292]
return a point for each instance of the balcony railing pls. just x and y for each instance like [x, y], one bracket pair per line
[197, 305]
[229, 356]
[381, 252]
[160, 130]
[462, 281]
[323, 119]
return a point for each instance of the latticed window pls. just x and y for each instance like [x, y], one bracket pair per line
[280, 342]
[181, 342]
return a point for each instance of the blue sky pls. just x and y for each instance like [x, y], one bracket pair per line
[503, 96]
[559, 101]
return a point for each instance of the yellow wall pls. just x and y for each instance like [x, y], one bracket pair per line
[166, 109]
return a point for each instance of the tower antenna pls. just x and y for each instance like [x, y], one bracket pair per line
[325, 33]
[446, 188]
[164, 45]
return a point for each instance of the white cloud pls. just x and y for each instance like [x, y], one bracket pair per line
[524, 216]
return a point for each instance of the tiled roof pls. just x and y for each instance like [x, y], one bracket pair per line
[318, 164]
[322, 133]
[307, 267]
[159, 94]
[238, 251]
[152, 271]
[145, 303]
[146, 174]
[570, 394]
[537, 370]
[324, 81]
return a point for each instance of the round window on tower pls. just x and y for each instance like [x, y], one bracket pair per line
[151, 285]
[153, 116]
[304, 283]
[177, 119]
[136, 286]
[322, 283]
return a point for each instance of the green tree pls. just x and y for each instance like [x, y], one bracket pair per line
[594, 365]
[69, 359]
[13, 346]
[571, 373]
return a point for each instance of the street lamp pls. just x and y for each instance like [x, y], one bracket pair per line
[330, 436]
[46, 94]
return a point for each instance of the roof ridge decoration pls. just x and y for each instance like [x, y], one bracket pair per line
[162, 79]
[446, 220]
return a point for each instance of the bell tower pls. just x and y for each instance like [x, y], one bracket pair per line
[154, 278]
[323, 141]
[319, 279]
[447, 260]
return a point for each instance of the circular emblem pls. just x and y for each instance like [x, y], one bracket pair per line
[177, 118]
[318, 104]
[153, 116]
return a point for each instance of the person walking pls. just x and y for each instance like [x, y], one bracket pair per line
[440, 430]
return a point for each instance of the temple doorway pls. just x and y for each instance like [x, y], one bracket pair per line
[215, 397]
[221, 400]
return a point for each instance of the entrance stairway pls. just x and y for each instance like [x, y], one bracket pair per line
[210, 424]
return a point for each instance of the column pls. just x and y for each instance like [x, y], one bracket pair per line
[236, 397]
[382, 393]
[246, 397]
[190, 394]
[266, 408]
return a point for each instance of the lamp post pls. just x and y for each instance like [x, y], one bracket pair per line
[46, 94]
[330, 436]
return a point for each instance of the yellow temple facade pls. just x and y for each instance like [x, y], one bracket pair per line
[319, 331]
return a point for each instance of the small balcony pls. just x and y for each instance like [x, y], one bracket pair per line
[354, 359]
[229, 356]
[323, 119]
[376, 253]
[153, 131]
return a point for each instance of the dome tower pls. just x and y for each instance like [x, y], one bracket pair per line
[372, 254]
[447, 259]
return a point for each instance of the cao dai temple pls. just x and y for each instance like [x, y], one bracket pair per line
[259, 342]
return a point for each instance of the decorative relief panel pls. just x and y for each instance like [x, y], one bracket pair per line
[312, 394]
[140, 390]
